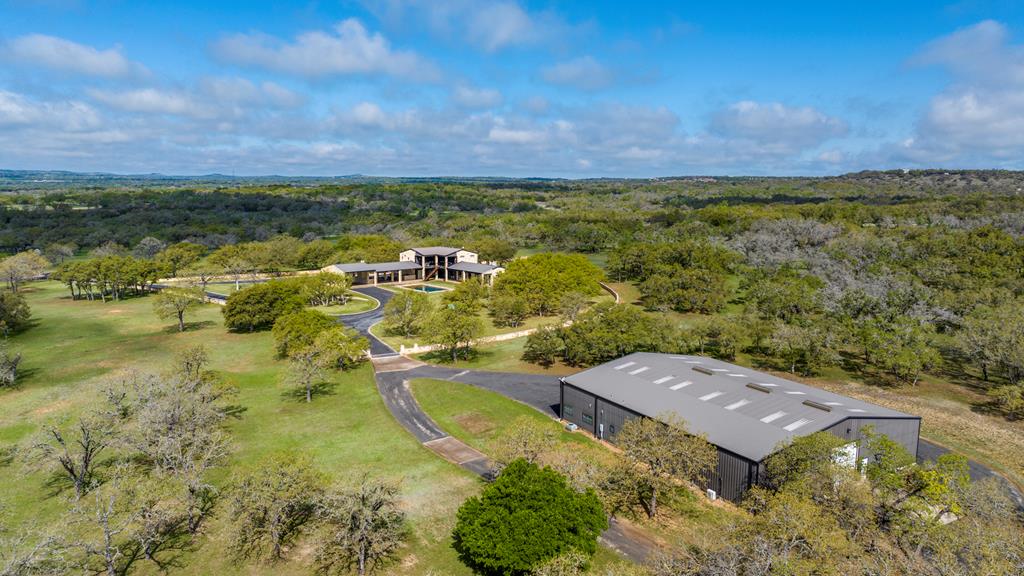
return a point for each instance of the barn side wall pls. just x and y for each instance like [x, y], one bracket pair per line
[732, 476]
[904, 431]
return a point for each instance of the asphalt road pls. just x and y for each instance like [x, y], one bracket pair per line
[361, 322]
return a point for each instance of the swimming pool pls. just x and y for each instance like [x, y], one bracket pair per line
[427, 289]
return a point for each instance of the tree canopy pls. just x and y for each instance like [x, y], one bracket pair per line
[526, 517]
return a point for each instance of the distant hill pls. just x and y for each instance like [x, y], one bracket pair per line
[890, 181]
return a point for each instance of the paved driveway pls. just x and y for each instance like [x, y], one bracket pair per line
[361, 322]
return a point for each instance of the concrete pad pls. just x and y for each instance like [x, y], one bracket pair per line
[454, 451]
[394, 363]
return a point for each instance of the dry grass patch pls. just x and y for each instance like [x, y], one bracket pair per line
[474, 422]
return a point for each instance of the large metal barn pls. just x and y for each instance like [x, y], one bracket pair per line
[745, 413]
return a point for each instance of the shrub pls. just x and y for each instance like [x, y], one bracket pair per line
[259, 306]
[299, 329]
[528, 516]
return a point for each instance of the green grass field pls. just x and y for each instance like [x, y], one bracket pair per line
[357, 303]
[76, 345]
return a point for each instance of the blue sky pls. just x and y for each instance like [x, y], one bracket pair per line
[510, 88]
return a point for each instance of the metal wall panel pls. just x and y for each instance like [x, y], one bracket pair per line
[904, 431]
[578, 407]
[611, 418]
[731, 477]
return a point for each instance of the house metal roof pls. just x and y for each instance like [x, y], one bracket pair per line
[436, 250]
[744, 411]
[473, 267]
[375, 267]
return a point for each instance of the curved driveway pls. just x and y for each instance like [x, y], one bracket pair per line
[361, 322]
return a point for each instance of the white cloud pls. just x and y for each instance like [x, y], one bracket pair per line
[215, 97]
[237, 90]
[154, 101]
[67, 56]
[504, 135]
[584, 73]
[500, 24]
[491, 25]
[978, 119]
[347, 49]
[469, 97]
[775, 124]
[17, 110]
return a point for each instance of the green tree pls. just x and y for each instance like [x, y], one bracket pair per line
[175, 302]
[180, 256]
[571, 305]
[58, 252]
[700, 290]
[543, 280]
[454, 329]
[662, 450]
[491, 249]
[317, 254]
[362, 527]
[545, 346]
[340, 347]
[297, 330]
[407, 313]
[608, 331]
[272, 504]
[15, 313]
[509, 310]
[525, 518]
[784, 294]
[305, 370]
[903, 347]
[22, 267]
[807, 349]
[259, 306]
[468, 295]
[325, 288]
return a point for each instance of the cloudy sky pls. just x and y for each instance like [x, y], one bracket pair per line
[510, 87]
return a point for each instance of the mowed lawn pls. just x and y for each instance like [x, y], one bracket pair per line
[76, 346]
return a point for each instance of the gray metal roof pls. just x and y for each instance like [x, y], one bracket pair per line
[473, 267]
[436, 250]
[745, 411]
[375, 267]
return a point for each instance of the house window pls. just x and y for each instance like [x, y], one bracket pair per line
[567, 410]
[588, 419]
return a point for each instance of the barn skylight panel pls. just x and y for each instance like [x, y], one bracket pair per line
[663, 380]
[681, 385]
[626, 365]
[798, 424]
[639, 370]
[738, 404]
[773, 417]
[707, 397]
